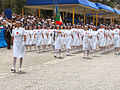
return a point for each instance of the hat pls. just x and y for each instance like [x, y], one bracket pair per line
[18, 22]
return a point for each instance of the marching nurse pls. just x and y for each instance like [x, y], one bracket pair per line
[86, 42]
[58, 42]
[19, 39]
[116, 41]
[94, 40]
[68, 40]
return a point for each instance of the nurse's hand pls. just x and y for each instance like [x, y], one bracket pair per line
[24, 43]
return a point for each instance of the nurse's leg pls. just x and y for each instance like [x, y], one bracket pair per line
[35, 46]
[21, 61]
[59, 52]
[38, 48]
[74, 47]
[87, 53]
[43, 48]
[14, 64]
[68, 52]
[83, 53]
[55, 53]
[53, 48]
[26, 47]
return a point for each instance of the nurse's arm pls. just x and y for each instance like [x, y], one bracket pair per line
[24, 38]
[12, 40]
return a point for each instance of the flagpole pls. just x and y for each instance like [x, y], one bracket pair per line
[54, 17]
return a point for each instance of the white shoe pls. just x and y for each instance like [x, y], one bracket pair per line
[93, 55]
[68, 54]
[86, 57]
[55, 55]
[83, 56]
[38, 51]
[59, 56]
[101, 52]
[20, 69]
[117, 53]
[13, 69]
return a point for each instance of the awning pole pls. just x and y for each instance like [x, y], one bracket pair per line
[110, 19]
[96, 18]
[39, 12]
[113, 20]
[93, 17]
[63, 15]
[22, 11]
[84, 16]
[73, 14]
[104, 17]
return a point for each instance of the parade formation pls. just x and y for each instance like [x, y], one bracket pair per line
[77, 37]
[41, 35]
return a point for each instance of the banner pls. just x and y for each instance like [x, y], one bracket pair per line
[3, 42]
[8, 13]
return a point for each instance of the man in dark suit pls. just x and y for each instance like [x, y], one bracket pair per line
[8, 36]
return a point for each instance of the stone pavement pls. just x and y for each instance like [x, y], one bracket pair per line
[44, 72]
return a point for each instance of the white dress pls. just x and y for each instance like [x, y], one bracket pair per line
[94, 39]
[110, 39]
[18, 44]
[68, 39]
[49, 37]
[63, 38]
[44, 39]
[58, 41]
[86, 40]
[76, 41]
[27, 33]
[53, 36]
[32, 39]
[116, 38]
[90, 31]
[80, 36]
[39, 37]
[101, 33]
[107, 38]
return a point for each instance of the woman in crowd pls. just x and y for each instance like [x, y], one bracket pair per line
[19, 39]
[116, 39]
[86, 42]
[94, 40]
[39, 37]
[68, 40]
[102, 36]
[58, 42]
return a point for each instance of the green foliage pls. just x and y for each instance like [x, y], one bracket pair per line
[15, 5]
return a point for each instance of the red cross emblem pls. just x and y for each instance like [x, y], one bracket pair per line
[38, 31]
[17, 33]
[86, 33]
[101, 31]
[116, 30]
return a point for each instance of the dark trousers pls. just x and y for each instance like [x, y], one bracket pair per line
[8, 44]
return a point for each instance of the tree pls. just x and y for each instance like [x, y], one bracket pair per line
[15, 5]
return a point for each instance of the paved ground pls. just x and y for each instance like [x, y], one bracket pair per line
[44, 72]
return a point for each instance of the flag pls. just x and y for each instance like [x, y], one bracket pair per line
[58, 18]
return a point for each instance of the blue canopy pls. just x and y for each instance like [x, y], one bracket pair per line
[117, 11]
[104, 7]
[84, 3]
